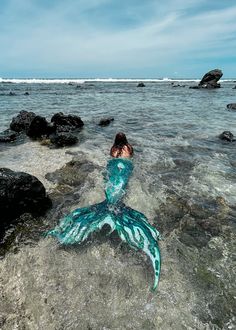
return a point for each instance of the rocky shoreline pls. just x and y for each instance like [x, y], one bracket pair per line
[103, 284]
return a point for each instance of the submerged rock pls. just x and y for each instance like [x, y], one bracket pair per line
[74, 173]
[21, 193]
[231, 106]
[22, 121]
[106, 121]
[141, 84]
[8, 136]
[227, 136]
[63, 139]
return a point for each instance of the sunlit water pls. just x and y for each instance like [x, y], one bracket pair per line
[184, 175]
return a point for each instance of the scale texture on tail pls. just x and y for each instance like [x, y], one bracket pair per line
[132, 226]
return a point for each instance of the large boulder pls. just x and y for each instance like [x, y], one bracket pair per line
[210, 79]
[39, 127]
[21, 193]
[22, 121]
[65, 123]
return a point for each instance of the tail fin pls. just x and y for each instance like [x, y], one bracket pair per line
[79, 224]
[131, 225]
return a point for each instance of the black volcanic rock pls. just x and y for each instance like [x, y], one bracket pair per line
[63, 139]
[68, 121]
[231, 106]
[8, 136]
[141, 84]
[227, 136]
[210, 79]
[22, 121]
[21, 193]
[105, 121]
[39, 127]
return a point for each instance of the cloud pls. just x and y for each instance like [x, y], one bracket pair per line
[91, 37]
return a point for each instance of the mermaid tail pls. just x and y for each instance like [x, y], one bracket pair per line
[132, 226]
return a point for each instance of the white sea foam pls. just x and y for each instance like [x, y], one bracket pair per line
[88, 80]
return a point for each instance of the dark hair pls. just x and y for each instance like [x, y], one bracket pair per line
[120, 140]
[119, 144]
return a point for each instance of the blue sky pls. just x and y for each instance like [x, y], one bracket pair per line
[117, 38]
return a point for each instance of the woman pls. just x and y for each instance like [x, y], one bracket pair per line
[121, 148]
[131, 225]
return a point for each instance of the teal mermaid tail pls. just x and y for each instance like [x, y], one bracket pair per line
[132, 226]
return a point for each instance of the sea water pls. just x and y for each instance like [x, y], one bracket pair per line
[184, 182]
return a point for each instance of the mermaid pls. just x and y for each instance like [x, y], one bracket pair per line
[132, 226]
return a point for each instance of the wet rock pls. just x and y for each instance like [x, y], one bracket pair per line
[105, 121]
[210, 80]
[178, 85]
[63, 139]
[26, 93]
[231, 106]
[19, 193]
[192, 234]
[22, 121]
[39, 127]
[66, 122]
[12, 94]
[74, 173]
[8, 136]
[227, 136]
[141, 84]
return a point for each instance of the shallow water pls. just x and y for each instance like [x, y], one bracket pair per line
[184, 182]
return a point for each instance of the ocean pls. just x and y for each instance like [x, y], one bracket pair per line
[184, 181]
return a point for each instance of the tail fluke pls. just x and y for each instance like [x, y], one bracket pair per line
[133, 228]
[79, 224]
[131, 225]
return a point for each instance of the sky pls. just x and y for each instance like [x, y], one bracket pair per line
[117, 38]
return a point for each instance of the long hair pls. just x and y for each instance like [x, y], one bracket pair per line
[120, 140]
[119, 144]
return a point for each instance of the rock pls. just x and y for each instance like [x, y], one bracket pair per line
[39, 127]
[70, 122]
[8, 136]
[210, 79]
[12, 94]
[227, 136]
[141, 84]
[234, 87]
[63, 139]
[105, 121]
[26, 93]
[231, 106]
[21, 193]
[22, 121]
[178, 85]
[74, 173]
